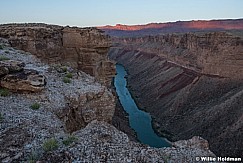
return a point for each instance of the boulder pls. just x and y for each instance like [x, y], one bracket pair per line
[10, 66]
[27, 80]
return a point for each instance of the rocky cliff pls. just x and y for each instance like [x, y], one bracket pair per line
[217, 53]
[191, 84]
[121, 30]
[52, 114]
[185, 102]
[82, 48]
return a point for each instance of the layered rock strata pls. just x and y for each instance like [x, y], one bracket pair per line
[217, 53]
[82, 48]
[184, 102]
[82, 107]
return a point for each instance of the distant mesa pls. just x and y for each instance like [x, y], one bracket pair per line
[170, 27]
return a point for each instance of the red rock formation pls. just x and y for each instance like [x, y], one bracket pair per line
[179, 26]
[85, 49]
[198, 24]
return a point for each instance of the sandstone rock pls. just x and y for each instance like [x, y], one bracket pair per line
[82, 48]
[28, 80]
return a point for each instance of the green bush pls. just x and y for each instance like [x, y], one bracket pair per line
[69, 140]
[1, 46]
[4, 92]
[50, 145]
[69, 75]
[3, 58]
[64, 69]
[35, 106]
[66, 80]
[33, 157]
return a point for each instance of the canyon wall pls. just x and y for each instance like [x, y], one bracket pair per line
[191, 85]
[217, 53]
[82, 48]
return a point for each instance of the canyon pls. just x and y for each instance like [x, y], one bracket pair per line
[57, 102]
[190, 83]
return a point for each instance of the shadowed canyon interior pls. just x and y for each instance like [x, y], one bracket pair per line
[191, 84]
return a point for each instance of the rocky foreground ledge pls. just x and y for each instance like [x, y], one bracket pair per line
[51, 113]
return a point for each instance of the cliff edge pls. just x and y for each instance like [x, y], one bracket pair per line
[82, 48]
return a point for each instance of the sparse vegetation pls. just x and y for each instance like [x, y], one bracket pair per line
[69, 75]
[3, 58]
[35, 106]
[69, 140]
[33, 157]
[50, 145]
[64, 69]
[4, 92]
[66, 80]
[166, 158]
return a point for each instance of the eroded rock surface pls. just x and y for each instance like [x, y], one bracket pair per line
[184, 102]
[82, 48]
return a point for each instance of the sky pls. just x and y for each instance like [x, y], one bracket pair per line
[85, 13]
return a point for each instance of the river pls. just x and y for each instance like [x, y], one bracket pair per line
[139, 120]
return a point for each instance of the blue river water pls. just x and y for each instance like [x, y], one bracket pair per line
[139, 120]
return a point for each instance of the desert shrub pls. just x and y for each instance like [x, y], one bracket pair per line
[69, 75]
[66, 80]
[3, 58]
[35, 106]
[33, 157]
[64, 69]
[50, 145]
[4, 92]
[7, 52]
[69, 140]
